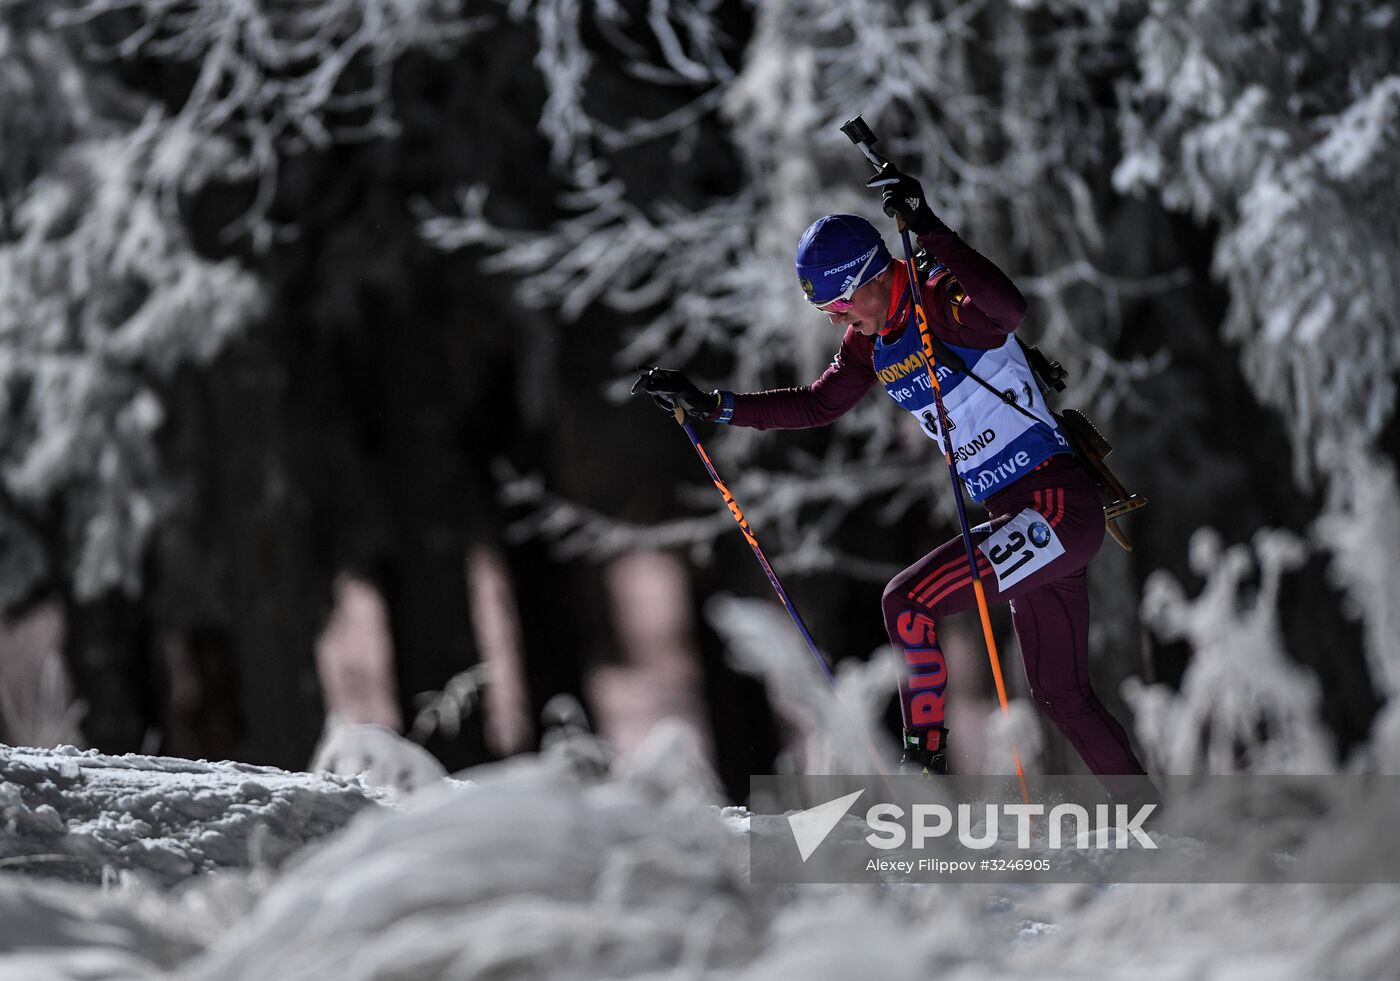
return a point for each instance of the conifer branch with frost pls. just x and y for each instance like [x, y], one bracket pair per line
[102, 298]
[1295, 156]
[836, 727]
[1243, 704]
[680, 45]
[829, 498]
[277, 78]
[1360, 527]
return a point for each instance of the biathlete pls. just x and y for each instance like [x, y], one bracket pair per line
[1046, 520]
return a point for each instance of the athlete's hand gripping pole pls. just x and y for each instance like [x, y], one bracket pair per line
[861, 135]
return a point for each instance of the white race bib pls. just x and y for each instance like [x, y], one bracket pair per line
[995, 443]
[1024, 545]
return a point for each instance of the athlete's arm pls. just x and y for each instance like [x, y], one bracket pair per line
[821, 403]
[981, 301]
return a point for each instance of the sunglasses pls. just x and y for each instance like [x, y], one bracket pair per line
[843, 301]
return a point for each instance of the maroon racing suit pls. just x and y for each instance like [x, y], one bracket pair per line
[972, 306]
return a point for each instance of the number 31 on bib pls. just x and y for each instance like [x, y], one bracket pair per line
[1024, 545]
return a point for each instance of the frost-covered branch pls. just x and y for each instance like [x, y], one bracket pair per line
[1243, 704]
[102, 297]
[274, 77]
[797, 513]
[675, 44]
[837, 727]
[1290, 139]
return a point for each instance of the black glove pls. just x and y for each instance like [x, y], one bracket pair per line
[669, 388]
[904, 196]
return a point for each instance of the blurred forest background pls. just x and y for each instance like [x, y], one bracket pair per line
[317, 320]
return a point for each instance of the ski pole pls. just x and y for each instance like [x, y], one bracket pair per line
[749, 537]
[860, 134]
[753, 544]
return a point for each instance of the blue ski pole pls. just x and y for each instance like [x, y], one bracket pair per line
[753, 544]
[749, 537]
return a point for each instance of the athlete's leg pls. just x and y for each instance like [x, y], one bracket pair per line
[1052, 624]
[909, 604]
[1053, 628]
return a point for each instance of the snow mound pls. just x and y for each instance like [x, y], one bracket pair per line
[531, 872]
[545, 867]
[80, 816]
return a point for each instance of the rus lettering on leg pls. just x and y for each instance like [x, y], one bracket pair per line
[928, 669]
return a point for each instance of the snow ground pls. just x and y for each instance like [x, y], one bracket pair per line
[532, 872]
[80, 816]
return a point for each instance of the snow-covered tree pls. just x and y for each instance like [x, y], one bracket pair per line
[125, 126]
[102, 297]
[1279, 122]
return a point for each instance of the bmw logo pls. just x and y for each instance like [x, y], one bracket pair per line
[1040, 534]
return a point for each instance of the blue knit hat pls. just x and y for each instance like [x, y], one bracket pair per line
[835, 250]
